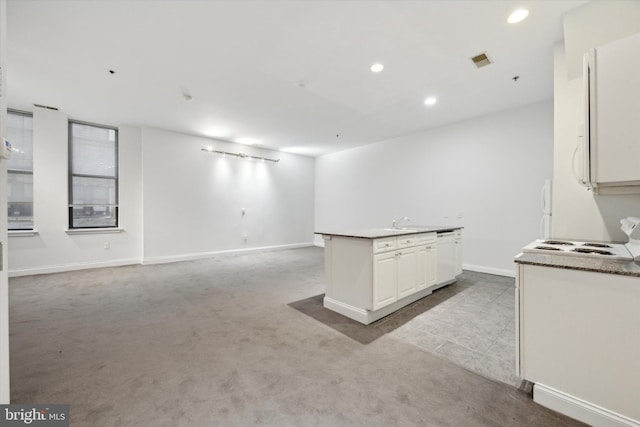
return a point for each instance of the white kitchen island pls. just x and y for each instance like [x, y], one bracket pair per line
[372, 273]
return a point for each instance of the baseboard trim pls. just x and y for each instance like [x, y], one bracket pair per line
[60, 268]
[579, 409]
[490, 270]
[201, 255]
[369, 316]
[355, 313]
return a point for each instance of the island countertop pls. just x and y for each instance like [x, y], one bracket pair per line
[377, 233]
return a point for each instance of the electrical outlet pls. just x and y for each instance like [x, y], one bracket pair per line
[460, 215]
[106, 245]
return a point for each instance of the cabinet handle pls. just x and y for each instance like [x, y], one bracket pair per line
[386, 245]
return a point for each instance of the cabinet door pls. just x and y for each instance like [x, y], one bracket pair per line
[615, 108]
[407, 272]
[384, 279]
[427, 265]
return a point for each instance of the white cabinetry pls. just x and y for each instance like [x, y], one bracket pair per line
[612, 75]
[395, 275]
[385, 268]
[368, 279]
[579, 341]
[407, 272]
[400, 272]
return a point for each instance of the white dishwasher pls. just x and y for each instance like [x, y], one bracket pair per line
[446, 254]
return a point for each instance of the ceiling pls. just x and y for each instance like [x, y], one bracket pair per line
[287, 75]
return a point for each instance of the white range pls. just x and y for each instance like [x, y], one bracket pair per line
[618, 251]
[577, 330]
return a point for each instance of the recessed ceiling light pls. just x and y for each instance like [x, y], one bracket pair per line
[430, 100]
[376, 68]
[517, 16]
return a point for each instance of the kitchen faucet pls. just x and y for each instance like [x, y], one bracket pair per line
[396, 222]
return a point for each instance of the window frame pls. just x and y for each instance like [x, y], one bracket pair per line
[21, 172]
[71, 175]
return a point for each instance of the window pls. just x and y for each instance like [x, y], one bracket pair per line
[20, 171]
[93, 176]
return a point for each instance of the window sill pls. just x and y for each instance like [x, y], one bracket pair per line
[94, 230]
[22, 233]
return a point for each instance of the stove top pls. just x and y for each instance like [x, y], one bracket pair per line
[575, 248]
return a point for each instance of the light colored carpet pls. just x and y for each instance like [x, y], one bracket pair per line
[235, 340]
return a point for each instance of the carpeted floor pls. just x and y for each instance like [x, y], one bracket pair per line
[237, 340]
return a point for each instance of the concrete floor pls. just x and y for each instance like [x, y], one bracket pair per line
[239, 340]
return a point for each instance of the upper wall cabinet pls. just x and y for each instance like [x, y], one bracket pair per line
[595, 24]
[612, 116]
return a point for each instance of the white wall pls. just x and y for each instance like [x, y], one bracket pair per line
[193, 200]
[491, 169]
[578, 213]
[4, 290]
[176, 201]
[52, 249]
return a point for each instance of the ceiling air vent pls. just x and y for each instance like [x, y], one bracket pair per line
[481, 60]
